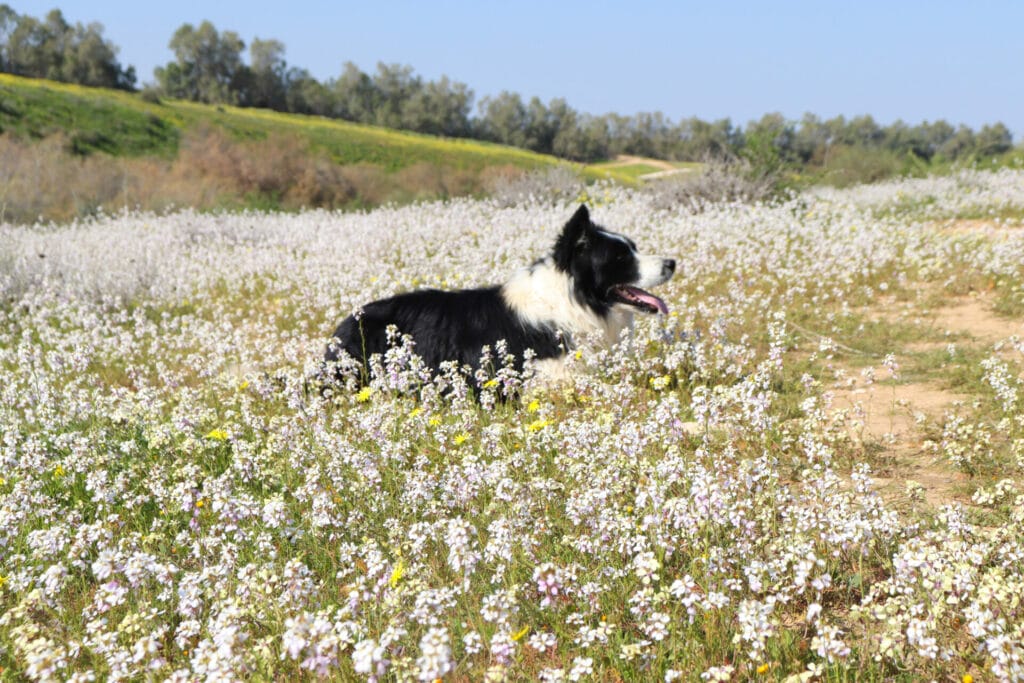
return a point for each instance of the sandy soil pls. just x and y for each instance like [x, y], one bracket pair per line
[896, 416]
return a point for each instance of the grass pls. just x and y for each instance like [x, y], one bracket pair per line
[95, 119]
[632, 173]
[110, 150]
[124, 124]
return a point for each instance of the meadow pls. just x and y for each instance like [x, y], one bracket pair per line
[811, 469]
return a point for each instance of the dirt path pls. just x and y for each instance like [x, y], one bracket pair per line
[896, 416]
[973, 316]
[628, 160]
[987, 228]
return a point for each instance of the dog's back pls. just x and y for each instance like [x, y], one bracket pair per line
[445, 326]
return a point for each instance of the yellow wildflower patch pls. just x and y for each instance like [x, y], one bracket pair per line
[396, 574]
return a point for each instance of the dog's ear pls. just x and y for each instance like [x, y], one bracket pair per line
[574, 233]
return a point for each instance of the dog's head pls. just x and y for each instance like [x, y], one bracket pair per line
[606, 269]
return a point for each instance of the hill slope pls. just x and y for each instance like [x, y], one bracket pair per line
[124, 124]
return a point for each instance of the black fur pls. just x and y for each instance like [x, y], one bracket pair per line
[454, 326]
[445, 326]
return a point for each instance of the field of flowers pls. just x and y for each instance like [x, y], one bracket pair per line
[695, 505]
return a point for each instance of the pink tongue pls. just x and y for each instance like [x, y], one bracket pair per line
[647, 298]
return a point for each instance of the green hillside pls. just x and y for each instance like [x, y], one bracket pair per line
[124, 124]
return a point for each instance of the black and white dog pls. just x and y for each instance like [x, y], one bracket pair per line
[590, 283]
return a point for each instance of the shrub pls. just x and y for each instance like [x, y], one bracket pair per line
[553, 185]
[856, 165]
[720, 180]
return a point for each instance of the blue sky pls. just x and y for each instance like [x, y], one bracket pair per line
[910, 60]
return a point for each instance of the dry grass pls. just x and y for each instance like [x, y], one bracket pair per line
[46, 181]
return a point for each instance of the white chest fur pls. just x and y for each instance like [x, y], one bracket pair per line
[542, 295]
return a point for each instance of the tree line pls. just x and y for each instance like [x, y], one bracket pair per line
[211, 66]
[54, 49]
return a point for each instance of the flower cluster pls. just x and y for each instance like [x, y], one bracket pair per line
[178, 500]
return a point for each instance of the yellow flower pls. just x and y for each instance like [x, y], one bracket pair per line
[660, 383]
[763, 669]
[538, 425]
[200, 503]
[967, 678]
[490, 384]
[518, 635]
[579, 354]
[434, 421]
[397, 574]
[364, 394]
[243, 386]
[3, 580]
[217, 435]
[415, 411]
[534, 406]
[58, 471]
[461, 438]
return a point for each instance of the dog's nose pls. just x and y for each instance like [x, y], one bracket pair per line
[668, 266]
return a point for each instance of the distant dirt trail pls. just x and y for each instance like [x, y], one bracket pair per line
[629, 160]
[989, 229]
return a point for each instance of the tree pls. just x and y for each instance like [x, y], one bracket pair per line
[936, 135]
[208, 65]
[584, 138]
[8, 23]
[503, 119]
[811, 139]
[700, 140]
[355, 95]
[90, 60]
[994, 139]
[439, 108]
[862, 131]
[904, 139]
[960, 145]
[395, 84]
[54, 49]
[306, 95]
[268, 70]
[770, 130]
[28, 52]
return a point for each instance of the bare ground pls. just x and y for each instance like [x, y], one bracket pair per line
[628, 160]
[665, 168]
[895, 416]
